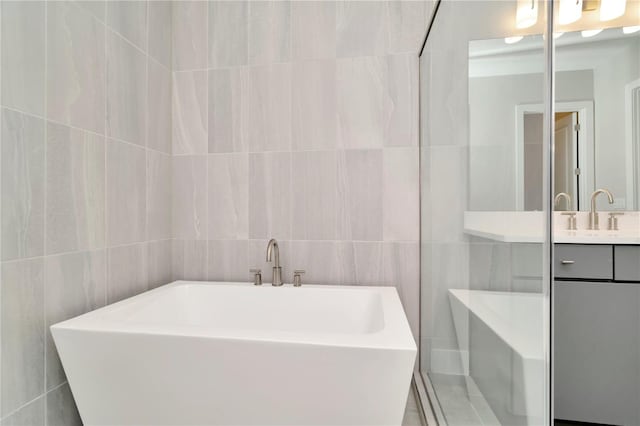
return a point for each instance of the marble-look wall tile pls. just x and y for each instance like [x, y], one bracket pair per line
[189, 197]
[75, 283]
[189, 47]
[190, 257]
[363, 103]
[270, 108]
[129, 19]
[177, 259]
[401, 194]
[61, 408]
[159, 126]
[449, 269]
[402, 270]
[22, 323]
[23, 165]
[126, 193]
[407, 25]
[75, 67]
[313, 29]
[228, 110]
[368, 263]
[159, 173]
[228, 196]
[75, 190]
[402, 90]
[325, 262]
[126, 91]
[97, 8]
[190, 115]
[361, 28]
[159, 263]
[448, 168]
[227, 260]
[269, 32]
[31, 414]
[314, 105]
[315, 195]
[127, 271]
[270, 195]
[362, 196]
[228, 33]
[160, 32]
[257, 260]
[450, 125]
[23, 48]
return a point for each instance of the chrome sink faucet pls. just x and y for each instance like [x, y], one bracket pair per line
[564, 195]
[593, 214]
[272, 249]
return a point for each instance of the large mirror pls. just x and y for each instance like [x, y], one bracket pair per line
[597, 120]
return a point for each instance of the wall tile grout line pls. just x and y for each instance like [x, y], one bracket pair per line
[45, 242]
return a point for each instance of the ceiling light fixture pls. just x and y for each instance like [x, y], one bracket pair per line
[512, 40]
[612, 9]
[631, 30]
[570, 11]
[557, 35]
[590, 33]
[526, 13]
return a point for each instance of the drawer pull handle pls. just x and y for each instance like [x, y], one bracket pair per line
[567, 262]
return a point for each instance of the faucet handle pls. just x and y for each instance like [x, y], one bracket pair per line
[572, 224]
[297, 277]
[612, 222]
[257, 276]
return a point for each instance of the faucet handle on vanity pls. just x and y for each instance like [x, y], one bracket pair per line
[257, 276]
[612, 222]
[571, 225]
[297, 277]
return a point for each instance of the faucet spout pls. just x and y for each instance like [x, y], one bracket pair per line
[595, 195]
[593, 213]
[564, 195]
[273, 252]
[272, 248]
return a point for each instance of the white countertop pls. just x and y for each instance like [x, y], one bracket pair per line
[528, 227]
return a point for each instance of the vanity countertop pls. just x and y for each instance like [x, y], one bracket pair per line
[528, 227]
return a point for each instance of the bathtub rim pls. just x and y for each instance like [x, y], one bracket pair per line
[395, 334]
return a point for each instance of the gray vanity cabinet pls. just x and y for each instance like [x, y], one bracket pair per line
[597, 334]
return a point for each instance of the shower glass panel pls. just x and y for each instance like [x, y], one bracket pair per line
[485, 242]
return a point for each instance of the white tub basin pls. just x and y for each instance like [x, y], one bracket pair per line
[197, 353]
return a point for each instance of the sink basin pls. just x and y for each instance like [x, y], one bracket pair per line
[194, 353]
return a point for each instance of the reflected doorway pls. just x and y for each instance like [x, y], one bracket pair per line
[573, 170]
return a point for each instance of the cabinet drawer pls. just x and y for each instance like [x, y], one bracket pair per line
[627, 263]
[584, 261]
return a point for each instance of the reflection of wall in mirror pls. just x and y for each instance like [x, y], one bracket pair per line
[610, 77]
[493, 133]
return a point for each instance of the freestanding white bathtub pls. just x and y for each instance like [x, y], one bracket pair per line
[198, 353]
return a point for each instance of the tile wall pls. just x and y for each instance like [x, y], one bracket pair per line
[148, 141]
[85, 180]
[298, 121]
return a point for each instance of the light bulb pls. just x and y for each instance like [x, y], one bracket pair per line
[570, 11]
[631, 30]
[612, 9]
[512, 40]
[526, 13]
[590, 33]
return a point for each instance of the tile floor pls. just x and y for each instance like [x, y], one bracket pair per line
[411, 415]
[461, 401]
